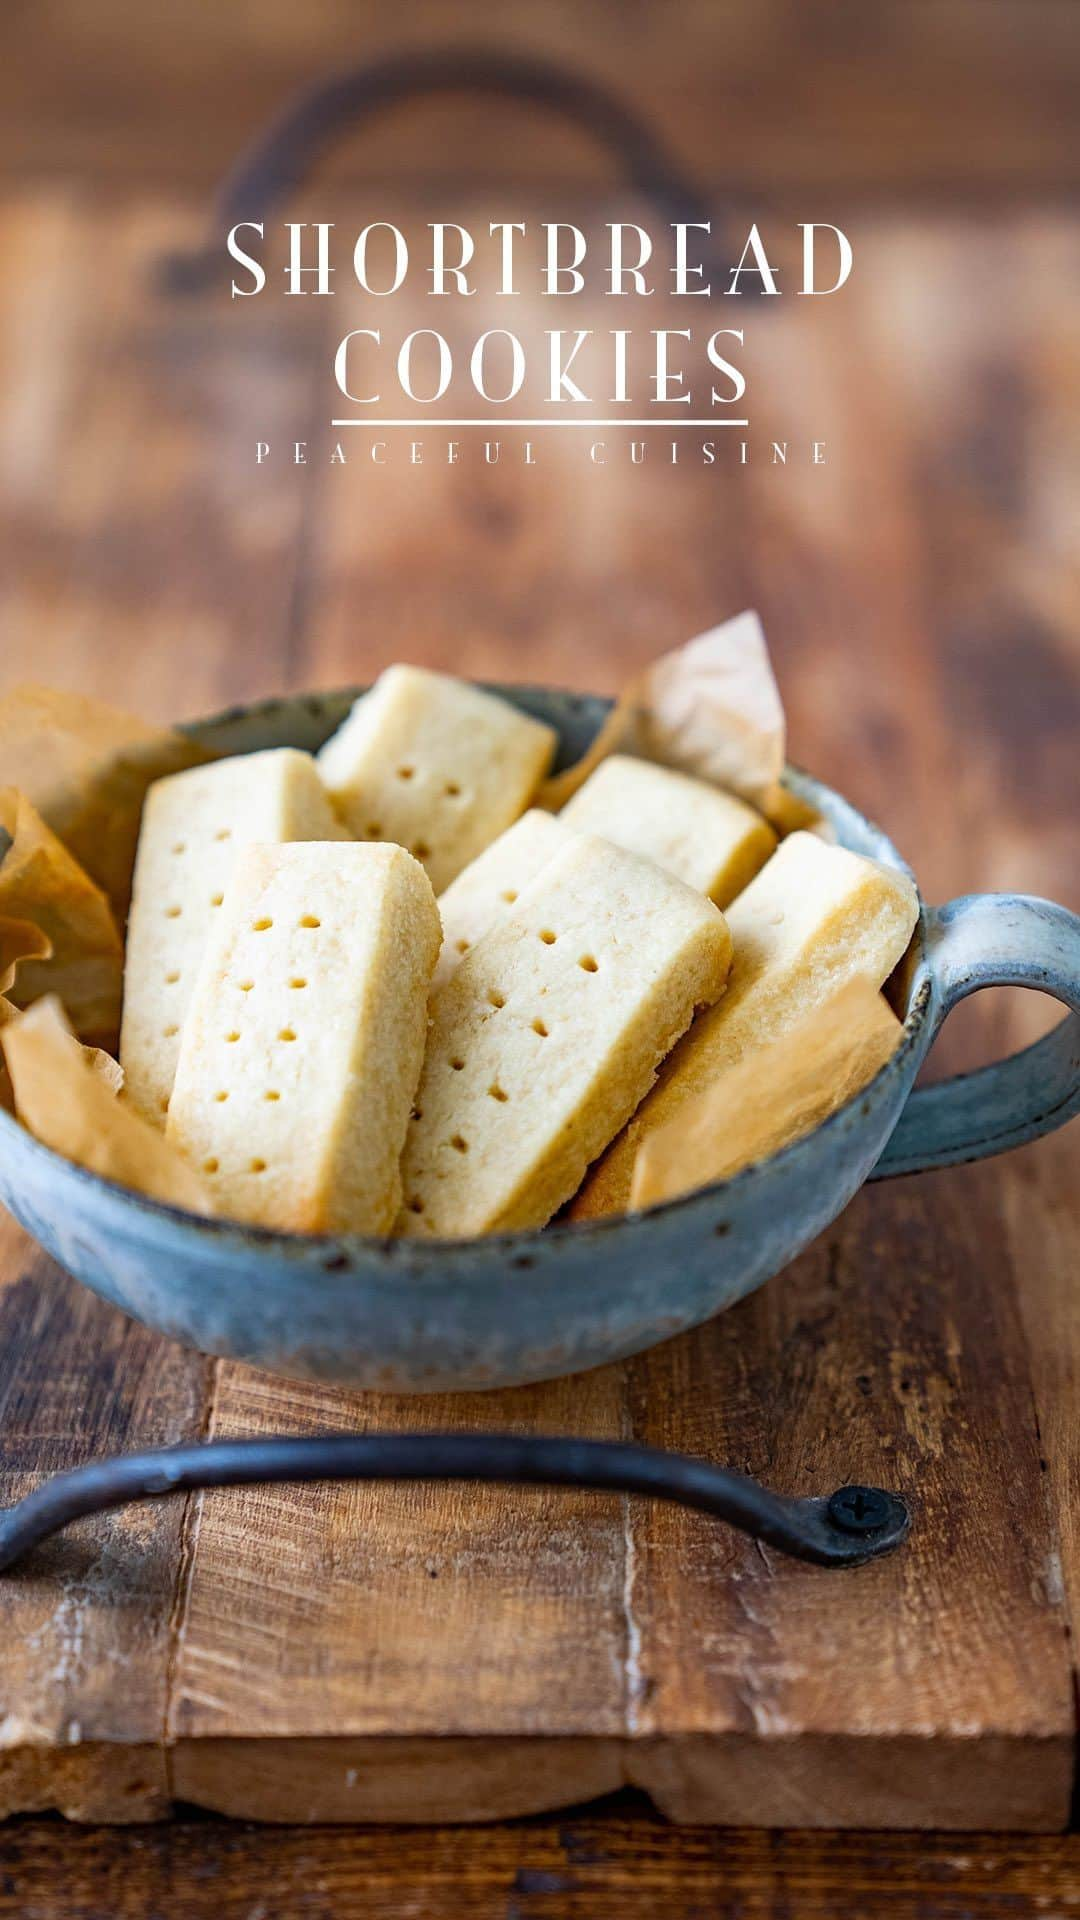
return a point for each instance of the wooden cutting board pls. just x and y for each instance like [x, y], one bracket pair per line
[357, 1653]
[417, 1653]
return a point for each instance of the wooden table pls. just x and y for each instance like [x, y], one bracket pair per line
[921, 594]
[618, 1862]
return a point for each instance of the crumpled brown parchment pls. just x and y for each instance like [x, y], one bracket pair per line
[19, 941]
[711, 708]
[68, 1099]
[85, 767]
[771, 1096]
[81, 958]
[73, 776]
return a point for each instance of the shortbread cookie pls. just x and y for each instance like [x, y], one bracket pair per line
[305, 1036]
[486, 890]
[549, 1035]
[772, 1096]
[192, 825]
[434, 764]
[708, 838]
[815, 917]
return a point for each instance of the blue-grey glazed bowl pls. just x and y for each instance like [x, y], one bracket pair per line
[419, 1316]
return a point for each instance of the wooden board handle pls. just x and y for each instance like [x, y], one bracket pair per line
[854, 1525]
[280, 158]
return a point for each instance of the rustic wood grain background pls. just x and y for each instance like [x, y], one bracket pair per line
[922, 593]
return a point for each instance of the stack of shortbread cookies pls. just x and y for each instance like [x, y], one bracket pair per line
[380, 990]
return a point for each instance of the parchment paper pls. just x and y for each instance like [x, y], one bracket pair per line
[65, 1099]
[81, 958]
[85, 768]
[711, 708]
[771, 1096]
[19, 941]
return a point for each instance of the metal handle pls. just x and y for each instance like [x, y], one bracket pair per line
[856, 1524]
[281, 157]
[996, 940]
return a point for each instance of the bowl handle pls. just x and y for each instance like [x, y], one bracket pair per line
[996, 940]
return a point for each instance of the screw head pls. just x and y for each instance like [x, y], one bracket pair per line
[859, 1509]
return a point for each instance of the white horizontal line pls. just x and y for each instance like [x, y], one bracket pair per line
[377, 425]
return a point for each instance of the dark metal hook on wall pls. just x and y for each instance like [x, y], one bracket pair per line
[855, 1525]
[283, 156]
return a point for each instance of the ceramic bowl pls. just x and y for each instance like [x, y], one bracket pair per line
[420, 1316]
